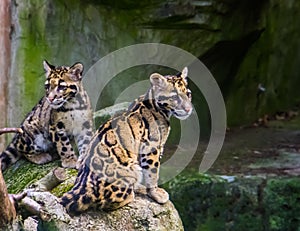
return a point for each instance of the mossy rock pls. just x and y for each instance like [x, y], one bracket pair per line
[211, 203]
[142, 214]
[23, 174]
[251, 203]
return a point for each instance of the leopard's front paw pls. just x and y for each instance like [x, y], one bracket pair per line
[158, 194]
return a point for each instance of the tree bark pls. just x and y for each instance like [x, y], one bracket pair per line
[5, 50]
[51, 180]
[7, 208]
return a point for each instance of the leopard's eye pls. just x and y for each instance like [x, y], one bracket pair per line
[174, 97]
[189, 94]
[47, 86]
[61, 88]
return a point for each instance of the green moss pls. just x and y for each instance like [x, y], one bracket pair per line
[24, 173]
[32, 50]
[67, 184]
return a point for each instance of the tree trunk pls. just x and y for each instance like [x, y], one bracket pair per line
[5, 27]
[7, 209]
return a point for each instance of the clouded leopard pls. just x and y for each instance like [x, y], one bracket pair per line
[125, 152]
[63, 114]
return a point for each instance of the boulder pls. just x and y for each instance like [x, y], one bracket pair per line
[142, 214]
[47, 214]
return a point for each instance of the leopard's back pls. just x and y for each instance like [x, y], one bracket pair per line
[62, 114]
[125, 151]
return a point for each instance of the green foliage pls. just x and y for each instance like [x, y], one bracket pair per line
[210, 203]
[282, 203]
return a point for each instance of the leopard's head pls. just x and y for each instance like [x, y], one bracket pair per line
[171, 93]
[62, 83]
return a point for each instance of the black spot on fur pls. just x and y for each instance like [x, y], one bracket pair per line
[60, 125]
[64, 138]
[119, 195]
[106, 184]
[114, 188]
[150, 161]
[86, 199]
[56, 137]
[129, 190]
[107, 194]
[154, 151]
[13, 151]
[27, 149]
[73, 208]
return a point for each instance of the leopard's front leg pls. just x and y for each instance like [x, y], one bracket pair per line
[82, 140]
[61, 140]
[150, 164]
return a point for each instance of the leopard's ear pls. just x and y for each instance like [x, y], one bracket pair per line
[47, 67]
[158, 81]
[184, 74]
[75, 71]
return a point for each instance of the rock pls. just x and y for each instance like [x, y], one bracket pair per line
[30, 224]
[141, 214]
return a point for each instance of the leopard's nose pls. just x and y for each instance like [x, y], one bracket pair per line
[50, 99]
[188, 108]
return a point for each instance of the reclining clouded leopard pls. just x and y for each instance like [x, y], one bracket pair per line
[63, 114]
[125, 151]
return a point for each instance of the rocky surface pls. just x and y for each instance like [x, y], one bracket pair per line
[142, 214]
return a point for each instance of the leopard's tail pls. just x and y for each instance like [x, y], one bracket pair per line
[78, 200]
[71, 203]
[96, 191]
[9, 156]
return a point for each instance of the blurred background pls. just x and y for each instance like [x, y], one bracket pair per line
[247, 45]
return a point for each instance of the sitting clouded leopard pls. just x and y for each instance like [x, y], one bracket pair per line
[126, 150]
[63, 114]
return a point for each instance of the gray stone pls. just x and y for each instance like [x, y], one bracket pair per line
[141, 214]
